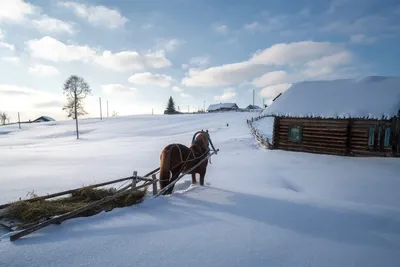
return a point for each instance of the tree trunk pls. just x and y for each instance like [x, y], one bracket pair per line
[76, 114]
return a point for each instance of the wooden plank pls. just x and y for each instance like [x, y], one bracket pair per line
[68, 215]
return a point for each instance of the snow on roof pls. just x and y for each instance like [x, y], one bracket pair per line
[221, 105]
[371, 97]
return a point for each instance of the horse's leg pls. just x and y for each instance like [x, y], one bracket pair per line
[194, 178]
[175, 176]
[202, 175]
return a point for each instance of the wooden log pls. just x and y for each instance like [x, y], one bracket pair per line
[314, 146]
[134, 181]
[154, 184]
[325, 136]
[317, 151]
[68, 215]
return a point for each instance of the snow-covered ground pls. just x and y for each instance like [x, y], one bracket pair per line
[259, 207]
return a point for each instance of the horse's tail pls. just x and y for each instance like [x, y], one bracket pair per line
[165, 165]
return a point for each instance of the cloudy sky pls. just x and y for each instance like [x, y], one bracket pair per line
[135, 54]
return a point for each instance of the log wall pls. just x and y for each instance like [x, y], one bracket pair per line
[330, 136]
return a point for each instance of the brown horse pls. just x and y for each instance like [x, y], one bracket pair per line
[177, 158]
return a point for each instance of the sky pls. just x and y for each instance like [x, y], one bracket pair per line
[136, 54]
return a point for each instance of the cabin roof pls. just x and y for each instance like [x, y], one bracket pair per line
[373, 97]
[221, 105]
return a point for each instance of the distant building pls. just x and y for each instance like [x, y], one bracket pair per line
[43, 119]
[223, 107]
[349, 117]
[253, 107]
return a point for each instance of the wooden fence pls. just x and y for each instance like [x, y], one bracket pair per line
[259, 137]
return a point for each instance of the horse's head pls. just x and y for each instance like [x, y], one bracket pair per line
[201, 139]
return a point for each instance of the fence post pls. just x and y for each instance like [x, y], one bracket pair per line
[154, 184]
[134, 181]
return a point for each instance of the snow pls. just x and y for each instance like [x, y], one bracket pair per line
[265, 127]
[371, 97]
[221, 106]
[259, 207]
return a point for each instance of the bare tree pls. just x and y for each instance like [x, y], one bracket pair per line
[76, 89]
[4, 118]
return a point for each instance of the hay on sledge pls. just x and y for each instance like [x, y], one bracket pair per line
[28, 212]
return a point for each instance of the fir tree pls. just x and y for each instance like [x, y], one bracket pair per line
[171, 106]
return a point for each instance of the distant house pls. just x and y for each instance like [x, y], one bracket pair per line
[255, 107]
[43, 119]
[223, 107]
[357, 117]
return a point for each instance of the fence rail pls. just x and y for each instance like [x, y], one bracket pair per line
[259, 137]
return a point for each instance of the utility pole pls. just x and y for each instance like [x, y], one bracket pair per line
[19, 121]
[188, 108]
[204, 106]
[107, 108]
[101, 116]
[253, 97]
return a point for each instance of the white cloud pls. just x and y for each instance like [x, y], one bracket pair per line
[132, 60]
[117, 89]
[272, 91]
[294, 53]
[270, 78]
[221, 29]
[185, 66]
[16, 10]
[327, 65]
[22, 99]
[223, 75]
[177, 89]
[44, 70]
[227, 95]
[48, 24]
[51, 49]
[361, 39]
[200, 61]
[169, 45]
[291, 54]
[184, 95]
[147, 78]
[7, 46]
[14, 60]
[97, 15]
[252, 26]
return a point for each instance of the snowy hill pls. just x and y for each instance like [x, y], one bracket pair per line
[259, 207]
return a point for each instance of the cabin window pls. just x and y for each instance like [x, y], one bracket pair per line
[387, 137]
[371, 137]
[295, 133]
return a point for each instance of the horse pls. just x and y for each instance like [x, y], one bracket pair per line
[177, 158]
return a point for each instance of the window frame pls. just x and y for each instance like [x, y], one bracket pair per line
[300, 133]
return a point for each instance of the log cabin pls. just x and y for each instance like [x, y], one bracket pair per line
[347, 117]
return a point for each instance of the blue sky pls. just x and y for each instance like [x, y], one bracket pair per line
[135, 54]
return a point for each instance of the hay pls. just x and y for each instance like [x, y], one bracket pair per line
[28, 212]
